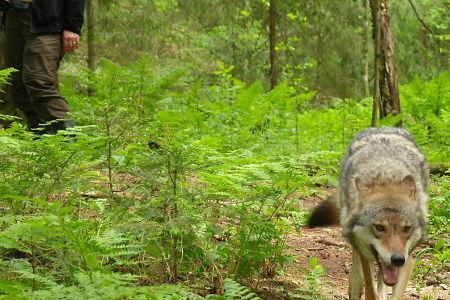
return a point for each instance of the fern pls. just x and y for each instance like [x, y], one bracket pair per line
[235, 290]
[5, 75]
[314, 283]
[215, 198]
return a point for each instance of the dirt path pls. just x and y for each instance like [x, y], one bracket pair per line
[334, 255]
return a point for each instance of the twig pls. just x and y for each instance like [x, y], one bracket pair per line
[315, 249]
[330, 243]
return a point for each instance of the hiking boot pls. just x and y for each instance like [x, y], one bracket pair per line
[33, 121]
[52, 127]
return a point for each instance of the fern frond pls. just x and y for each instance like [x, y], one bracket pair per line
[235, 290]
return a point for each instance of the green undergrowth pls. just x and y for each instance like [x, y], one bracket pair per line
[174, 181]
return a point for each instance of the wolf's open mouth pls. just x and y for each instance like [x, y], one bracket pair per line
[390, 272]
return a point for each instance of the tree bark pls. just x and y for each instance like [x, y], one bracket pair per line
[90, 40]
[5, 108]
[386, 95]
[377, 61]
[272, 42]
[90, 34]
[2, 45]
[366, 38]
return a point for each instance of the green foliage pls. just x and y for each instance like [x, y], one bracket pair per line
[312, 51]
[440, 206]
[419, 52]
[314, 282]
[105, 216]
[5, 75]
[99, 286]
[185, 169]
[5, 108]
[235, 290]
[439, 226]
[428, 114]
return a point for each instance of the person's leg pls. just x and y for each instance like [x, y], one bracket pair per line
[17, 95]
[41, 58]
[6, 108]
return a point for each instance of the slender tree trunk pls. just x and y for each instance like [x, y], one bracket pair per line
[90, 34]
[377, 62]
[366, 38]
[422, 47]
[391, 104]
[273, 41]
[386, 95]
[2, 44]
[5, 108]
[90, 39]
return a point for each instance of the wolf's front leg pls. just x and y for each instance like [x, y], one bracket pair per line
[382, 288]
[356, 278]
[369, 282]
[405, 274]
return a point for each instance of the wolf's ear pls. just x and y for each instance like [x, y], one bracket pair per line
[409, 184]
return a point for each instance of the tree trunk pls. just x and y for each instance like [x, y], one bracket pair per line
[5, 108]
[386, 95]
[377, 61]
[366, 34]
[2, 45]
[90, 40]
[422, 48]
[272, 42]
[90, 35]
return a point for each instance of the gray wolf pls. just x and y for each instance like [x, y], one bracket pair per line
[381, 204]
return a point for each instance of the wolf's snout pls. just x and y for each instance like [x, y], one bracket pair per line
[398, 259]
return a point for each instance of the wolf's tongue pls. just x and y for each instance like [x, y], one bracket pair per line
[390, 274]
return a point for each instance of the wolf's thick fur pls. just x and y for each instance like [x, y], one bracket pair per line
[382, 200]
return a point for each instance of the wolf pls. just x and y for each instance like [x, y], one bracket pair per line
[381, 205]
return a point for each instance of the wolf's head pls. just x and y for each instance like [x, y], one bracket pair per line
[388, 225]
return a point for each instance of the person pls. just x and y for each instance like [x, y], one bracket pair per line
[37, 33]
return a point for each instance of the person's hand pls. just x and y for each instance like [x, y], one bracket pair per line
[71, 41]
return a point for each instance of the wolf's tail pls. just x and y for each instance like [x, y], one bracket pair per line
[327, 213]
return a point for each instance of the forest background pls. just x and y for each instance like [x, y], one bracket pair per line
[190, 160]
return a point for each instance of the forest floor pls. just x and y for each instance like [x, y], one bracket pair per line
[334, 254]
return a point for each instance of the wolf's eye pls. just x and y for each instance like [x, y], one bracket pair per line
[407, 229]
[379, 228]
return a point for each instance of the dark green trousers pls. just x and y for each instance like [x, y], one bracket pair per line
[34, 88]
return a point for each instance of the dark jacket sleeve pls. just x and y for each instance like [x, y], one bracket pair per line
[73, 15]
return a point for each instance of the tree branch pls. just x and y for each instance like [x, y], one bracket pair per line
[436, 52]
[420, 19]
